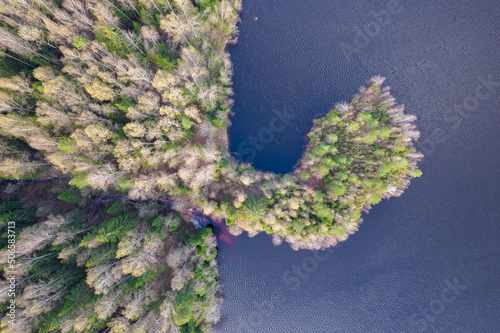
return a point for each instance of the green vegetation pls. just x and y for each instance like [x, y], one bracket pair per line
[357, 155]
[113, 38]
[132, 99]
[253, 209]
[119, 96]
[78, 271]
[72, 195]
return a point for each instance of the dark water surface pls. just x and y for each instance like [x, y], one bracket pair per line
[426, 262]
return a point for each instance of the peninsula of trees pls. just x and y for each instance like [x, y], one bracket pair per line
[133, 98]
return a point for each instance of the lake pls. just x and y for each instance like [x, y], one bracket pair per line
[428, 261]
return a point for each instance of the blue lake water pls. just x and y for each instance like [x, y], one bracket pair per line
[428, 261]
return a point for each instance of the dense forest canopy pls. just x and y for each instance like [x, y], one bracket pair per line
[133, 98]
[85, 265]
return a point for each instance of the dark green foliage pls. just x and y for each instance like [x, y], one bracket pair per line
[198, 238]
[115, 208]
[204, 4]
[147, 18]
[163, 58]
[45, 264]
[145, 279]
[101, 254]
[113, 39]
[78, 296]
[71, 195]
[13, 211]
[13, 64]
[128, 18]
[115, 229]
[123, 103]
[182, 190]
[254, 209]
[184, 306]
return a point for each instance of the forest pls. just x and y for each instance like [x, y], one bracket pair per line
[133, 98]
[85, 265]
